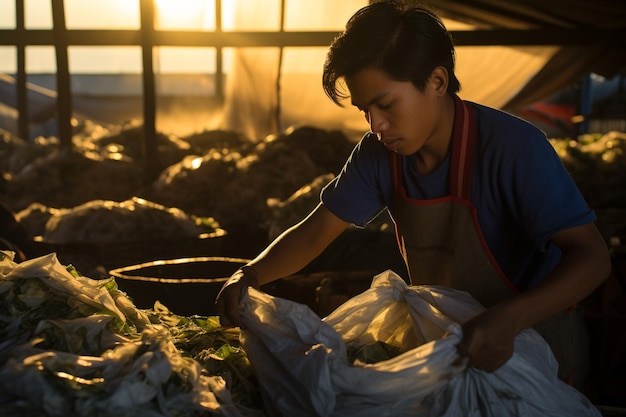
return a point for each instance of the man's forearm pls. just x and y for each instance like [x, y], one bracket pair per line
[297, 246]
[583, 267]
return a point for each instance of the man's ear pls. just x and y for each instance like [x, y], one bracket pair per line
[438, 80]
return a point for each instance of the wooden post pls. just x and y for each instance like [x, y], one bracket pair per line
[64, 91]
[149, 96]
[219, 58]
[277, 110]
[20, 85]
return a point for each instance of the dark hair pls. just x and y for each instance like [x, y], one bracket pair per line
[407, 42]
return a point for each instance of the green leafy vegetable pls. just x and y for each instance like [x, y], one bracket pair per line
[374, 352]
[74, 346]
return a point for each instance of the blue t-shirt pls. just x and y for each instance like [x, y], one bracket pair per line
[521, 191]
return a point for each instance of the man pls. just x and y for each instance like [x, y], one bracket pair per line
[480, 200]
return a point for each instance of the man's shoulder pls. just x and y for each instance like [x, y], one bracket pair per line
[490, 119]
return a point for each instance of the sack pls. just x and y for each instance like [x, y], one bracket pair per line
[303, 368]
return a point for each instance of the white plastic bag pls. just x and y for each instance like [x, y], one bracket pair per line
[303, 367]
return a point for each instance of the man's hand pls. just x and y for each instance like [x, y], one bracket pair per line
[487, 341]
[227, 301]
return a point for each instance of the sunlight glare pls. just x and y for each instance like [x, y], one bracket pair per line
[196, 163]
[98, 14]
[185, 14]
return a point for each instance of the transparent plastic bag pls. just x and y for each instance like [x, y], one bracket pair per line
[303, 366]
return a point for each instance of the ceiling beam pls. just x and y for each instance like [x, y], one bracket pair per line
[540, 37]
[503, 37]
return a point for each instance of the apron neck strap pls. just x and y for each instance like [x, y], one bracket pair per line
[464, 134]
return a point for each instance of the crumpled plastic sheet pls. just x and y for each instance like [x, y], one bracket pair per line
[303, 368]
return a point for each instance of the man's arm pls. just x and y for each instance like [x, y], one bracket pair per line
[287, 254]
[585, 264]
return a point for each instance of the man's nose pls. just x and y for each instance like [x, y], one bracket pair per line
[377, 123]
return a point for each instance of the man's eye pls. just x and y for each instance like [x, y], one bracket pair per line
[385, 106]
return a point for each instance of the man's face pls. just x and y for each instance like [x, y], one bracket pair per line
[403, 117]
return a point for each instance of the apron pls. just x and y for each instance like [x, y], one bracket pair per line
[442, 243]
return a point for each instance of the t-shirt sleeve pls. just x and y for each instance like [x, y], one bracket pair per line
[356, 195]
[544, 198]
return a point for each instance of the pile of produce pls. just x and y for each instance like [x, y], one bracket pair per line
[132, 220]
[286, 213]
[74, 346]
[104, 163]
[34, 218]
[203, 142]
[208, 174]
[225, 180]
[597, 163]
[68, 178]
[244, 184]
[16, 154]
[100, 235]
[198, 184]
[128, 143]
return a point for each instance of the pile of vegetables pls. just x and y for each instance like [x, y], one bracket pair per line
[208, 174]
[64, 178]
[99, 235]
[224, 179]
[258, 186]
[597, 163]
[16, 153]
[132, 220]
[105, 162]
[286, 213]
[74, 346]
[374, 352]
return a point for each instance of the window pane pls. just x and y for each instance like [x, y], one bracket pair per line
[185, 71]
[320, 14]
[105, 70]
[7, 17]
[304, 60]
[101, 14]
[40, 59]
[37, 14]
[251, 15]
[228, 59]
[8, 59]
[185, 15]
[105, 59]
[184, 60]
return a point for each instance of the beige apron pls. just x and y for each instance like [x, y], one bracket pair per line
[442, 244]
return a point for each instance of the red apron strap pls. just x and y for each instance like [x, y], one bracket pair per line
[395, 165]
[464, 135]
